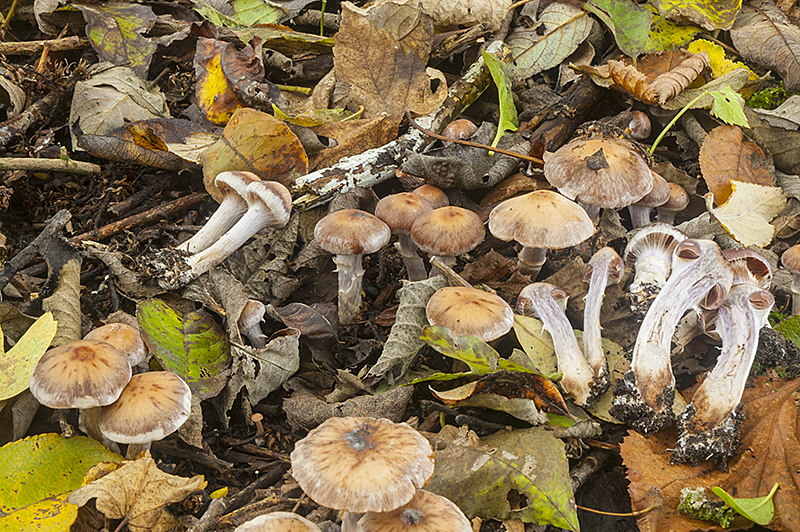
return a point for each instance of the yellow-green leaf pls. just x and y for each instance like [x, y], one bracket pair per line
[666, 35]
[709, 14]
[628, 21]
[17, 365]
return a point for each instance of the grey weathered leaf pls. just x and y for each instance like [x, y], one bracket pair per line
[783, 144]
[262, 371]
[447, 13]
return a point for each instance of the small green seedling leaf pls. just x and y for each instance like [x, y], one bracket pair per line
[759, 510]
[17, 365]
[629, 22]
[508, 112]
[728, 106]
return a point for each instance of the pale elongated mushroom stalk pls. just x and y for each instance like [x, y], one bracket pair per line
[269, 206]
[643, 397]
[399, 212]
[709, 427]
[604, 268]
[641, 210]
[649, 253]
[547, 303]
[232, 186]
[791, 261]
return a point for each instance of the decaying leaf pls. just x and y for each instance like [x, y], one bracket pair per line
[714, 15]
[665, 35]
[140, 491]
[664, 87]
[725, 156]
[628, 21]
[783, 144]
[451, 13]
[702, 97]
[748, 211]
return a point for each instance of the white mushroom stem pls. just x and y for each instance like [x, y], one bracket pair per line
[537, 300]
[795, 294]
[256, 336]
[89, 422]
[350, 273]
[640, 215]
[605, 267]
[531, 260]
[699, 270]
[135, 449]
[708, 428]
[415, 266]
[231, 209]
[666, 216]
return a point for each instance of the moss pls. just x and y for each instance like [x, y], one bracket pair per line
[769, 98]
[694, 503]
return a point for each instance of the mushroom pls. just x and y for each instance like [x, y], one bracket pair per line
[399, 211]
[643, 397]
[639, 126]
[470, 312]
[460, 129]
[269, 206]
[599, 172]
[641, 210]
[125, 338]
[349, 234]
[547, 303]
[539, 220]
[605, 267]
[749, 267]
[278, 522]
[84, 374]
[709, 426]
[678, 201]
[650, 254]
[791, 261]
[447, 232]
[250, 323]
[425, 512]
[230, 188]
[362, 464]
[434, 195]
[152, 406]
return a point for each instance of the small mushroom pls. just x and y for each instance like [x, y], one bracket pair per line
[362, 464]
[425, 512]
[791, 261]
[641, 210]
[539, 220]
[639, 126]
[460, 129]
[700, 274]
[151, 407]
[434, 195]
[604, 268]
[349, 234]
[399, 211]
[230, 186]
[448, 232]
[678, 201]
[278, 522]
[125, 338]
[250, 323]
[547, 303]
[470, 312]
[709, 426]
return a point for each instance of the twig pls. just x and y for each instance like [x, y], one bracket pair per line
[629, 514]
[32, 115]
[212, 462]
[67, 165]
[452, 277]
[36, 247]
[36, 47]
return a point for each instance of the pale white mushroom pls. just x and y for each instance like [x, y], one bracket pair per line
[604, 268]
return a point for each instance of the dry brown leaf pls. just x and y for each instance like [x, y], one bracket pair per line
[664, 87]
[783, 144]
[725, 156]
[140, 491]
[452, 13]
[770, 452]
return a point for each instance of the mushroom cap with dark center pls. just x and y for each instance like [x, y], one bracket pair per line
[400, 211]
[749, 267]
[606, 172]
[126, 338]
[541, 219]
[80, 374]
[434, 195]
[470, 312]
[448, 231]
[351, 232]
[152, 406]
[426, 512]
[362, 464]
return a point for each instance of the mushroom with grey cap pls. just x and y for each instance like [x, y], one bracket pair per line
[470, 312]
[447, 232]
[604, 268]
[791, 261]
[399, 211]
[349, 234]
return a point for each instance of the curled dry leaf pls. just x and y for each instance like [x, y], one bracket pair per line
[748, 211]
[451, 13]
[664, 87]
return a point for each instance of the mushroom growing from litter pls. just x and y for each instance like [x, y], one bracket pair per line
[399, 211]
[448, 232]
[84, 374]
[700, 275]
[434, 195]
[151, 407]
[125, 338]
[604, 268]
[269, 206]
[539, 221]
[362, 464]
[425, 512]
[460, 129]
[230, 187]
[278, 522]
[678, 201]
[250, 323]
[641, 210]
[547, 303]
[639, 126]
[709, 426]
[791, 261]
[349, 234]
[470, 312]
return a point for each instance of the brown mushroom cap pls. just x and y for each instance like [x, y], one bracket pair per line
[81, 374]
[351, 232]
[152, 406]
[127, 339]
[448, 231]
[231, 181]
[541, 219]
[659, 195]
[606, 172]
[460, 129]
[276, 198]
[426, 512]
[435, 195]
[791, 259]
[399, 211]
[362, 464]
[278, 522]
[470, 312]
[678, 198]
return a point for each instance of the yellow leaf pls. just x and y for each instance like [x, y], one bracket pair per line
[17, 365]
[748, 211]
[720, 65]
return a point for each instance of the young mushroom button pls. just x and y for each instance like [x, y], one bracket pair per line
[448, 232]
[349, 234]
[399, 211]
[434, 195]
[470, 312]
[641, 210]
[678, 201]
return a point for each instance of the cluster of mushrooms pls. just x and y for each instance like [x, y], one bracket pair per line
[95, 376]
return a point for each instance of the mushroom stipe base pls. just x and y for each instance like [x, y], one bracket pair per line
[641, 299]
[629, 407]
[718, 444]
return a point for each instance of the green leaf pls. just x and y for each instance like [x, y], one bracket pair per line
[728, 106]
[208, 11]
[190, 344]
[17, 365]
[666, 35]
[790, 329]
[629, 22]
[536, 343]
[508, 112]
[252, 12]
[38, 473]
[710, 14]
[759, 510]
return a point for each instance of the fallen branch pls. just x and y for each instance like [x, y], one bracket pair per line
[49, 165]
[37, 247]
[36, 47]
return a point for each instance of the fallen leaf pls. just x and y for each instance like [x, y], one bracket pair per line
[508, 112]
[451, 13]
[140, 491]
[317, 324]
[748, 211]
[628, 22]
[725, 156]
[286, 40]
[720, 65]
[17, 364]
[666, 34]
[689, 98]
[354, 137]
[264, 370]
[663, 88]
[783, 144]
[710, 15]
